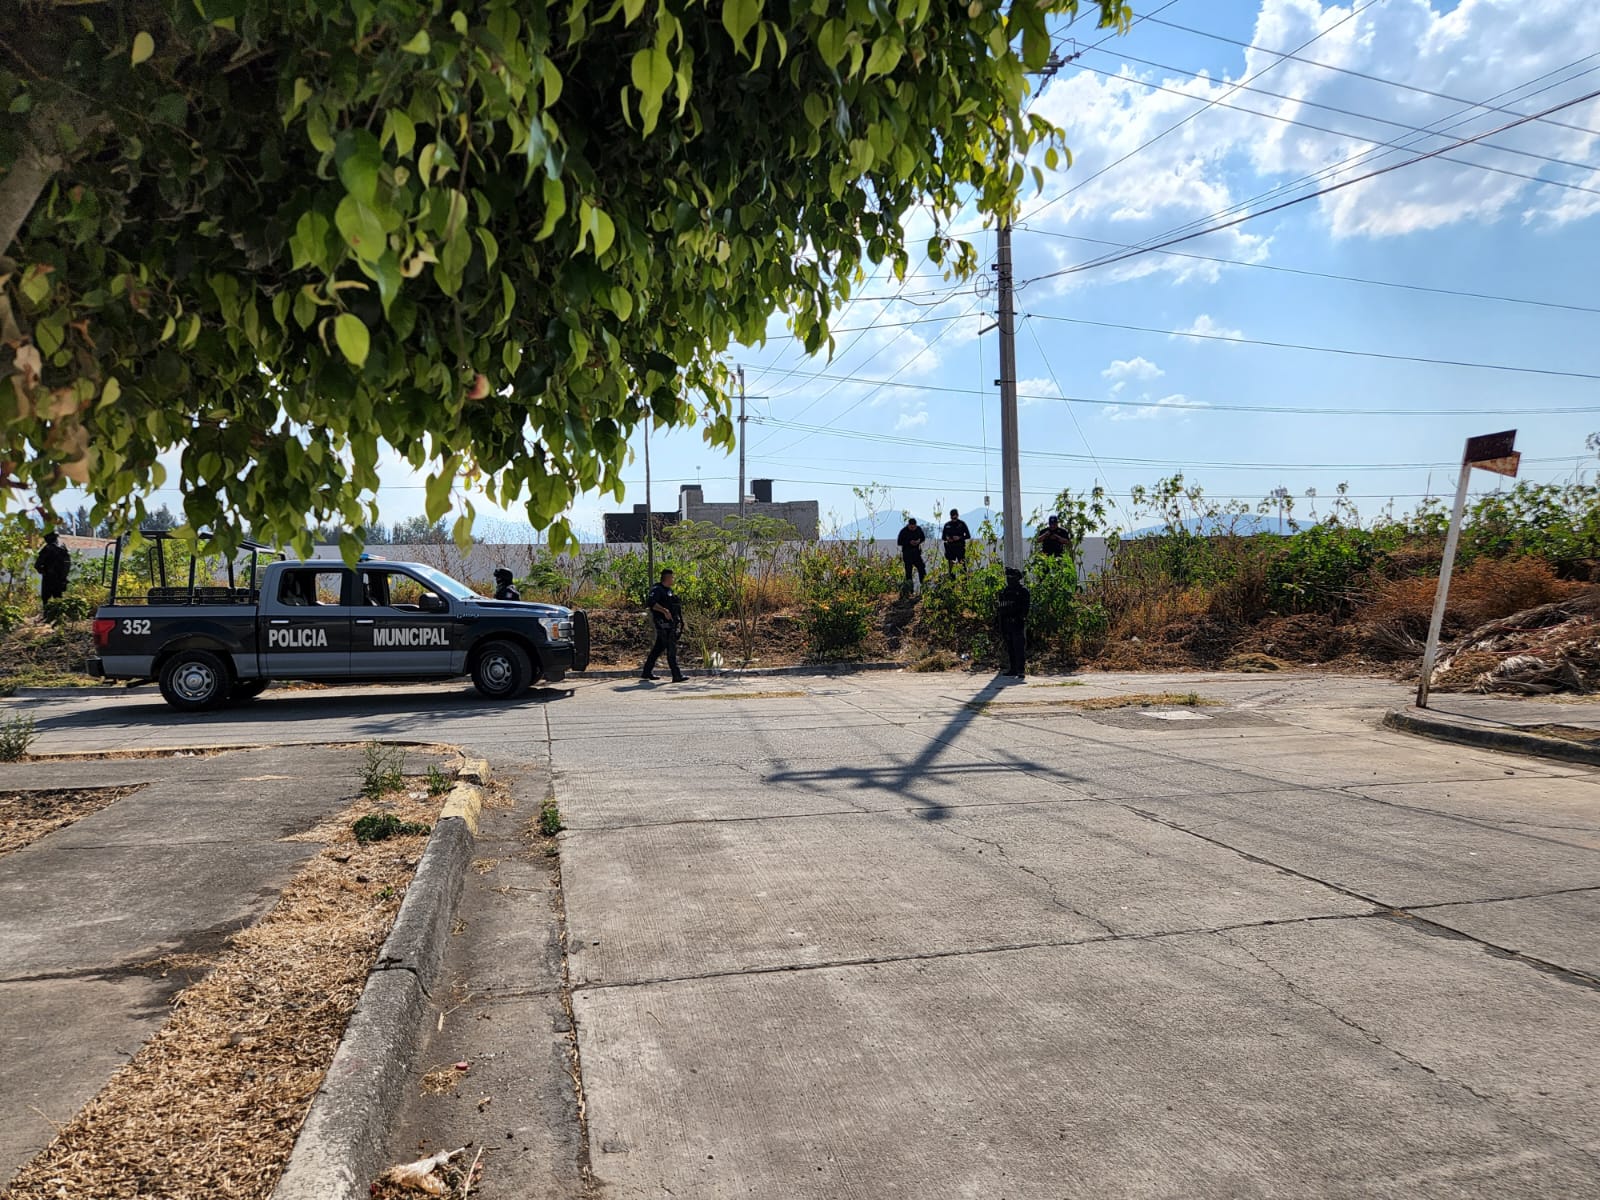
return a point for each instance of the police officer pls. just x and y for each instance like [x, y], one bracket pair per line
[956, 535]
[1053, 539]
[54, 564]
[1013, 613]
[666, 612]
[503, 588]
[910, 542]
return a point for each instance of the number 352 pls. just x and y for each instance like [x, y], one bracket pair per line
[140, 626]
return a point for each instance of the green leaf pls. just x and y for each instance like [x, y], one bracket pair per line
[885, 57]
[110, 392]
[361, 229]
[652, 75]
[400, 127]
[360, 158]
[738, 16]
[309, 244]
[302, 93]
[555, 207]
[831, 41]
[388, 275]
[491, 248]
[353, 338]
[143, 47]
[436, 490]
[420, 43]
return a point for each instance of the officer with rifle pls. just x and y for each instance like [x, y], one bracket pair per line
[1012, 610]
[504, 589]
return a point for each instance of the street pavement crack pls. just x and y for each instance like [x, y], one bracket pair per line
[1049, 884]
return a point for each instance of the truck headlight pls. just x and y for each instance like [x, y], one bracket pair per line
[557, 629]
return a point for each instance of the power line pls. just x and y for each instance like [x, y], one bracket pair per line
[1145, 145]
[1443, 124]
[1339, 133]
[889, 383]
[1238, 262]
[1294, 410]
[1294, 55]
[1124, 461]
[1244, 341]
[1323, 191]
[1307, 103]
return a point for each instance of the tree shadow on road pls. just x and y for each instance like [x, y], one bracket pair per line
[908, 781]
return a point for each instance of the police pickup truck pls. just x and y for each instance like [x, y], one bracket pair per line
[328, 622]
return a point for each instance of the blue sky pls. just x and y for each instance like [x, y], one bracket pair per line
[1439, 224]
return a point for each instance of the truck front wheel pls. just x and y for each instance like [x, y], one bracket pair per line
[247, 690]
[194, 681]
[502, 671]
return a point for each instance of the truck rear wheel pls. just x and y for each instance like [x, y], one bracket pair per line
[502, 671]
[195, 681]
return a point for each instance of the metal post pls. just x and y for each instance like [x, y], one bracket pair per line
[741, 443]
[1443, 591]
[1010, 477]
[649, 506]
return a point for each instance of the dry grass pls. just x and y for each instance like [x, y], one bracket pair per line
[1103, 703]
[1484, 591]
[211, 1104]
[743, 695]
[1567, 733]
[25, 817]
[1253, 663]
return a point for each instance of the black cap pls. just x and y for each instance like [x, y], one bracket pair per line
[1013, 573]
[51, 536]
[955, 512]
[503, 573]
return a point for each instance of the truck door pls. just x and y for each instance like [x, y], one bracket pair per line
[403, 626]
[305, 623]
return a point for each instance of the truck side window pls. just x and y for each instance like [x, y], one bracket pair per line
[375, 589]
[295, 588]
[310, 588]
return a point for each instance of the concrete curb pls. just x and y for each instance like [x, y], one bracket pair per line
[1445, 729]
[755, 672]
[340, 1148]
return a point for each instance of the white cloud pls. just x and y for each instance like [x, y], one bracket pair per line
[910, 420]
[1132, 368]
[1225, 157]
[1036, 391]
[1172, 405]
[1206, 326]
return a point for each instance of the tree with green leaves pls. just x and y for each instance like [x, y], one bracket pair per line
[276, 236]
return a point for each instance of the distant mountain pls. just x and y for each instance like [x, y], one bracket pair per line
[889, 524]
[1244, 524]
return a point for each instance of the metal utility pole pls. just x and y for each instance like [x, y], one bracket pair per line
[1491, 452]
[1010, 469]
[741, 443]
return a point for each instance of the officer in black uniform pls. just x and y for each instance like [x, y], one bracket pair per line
[1013, 613]
[956, 535]
[503, 587]
[1053, 539]
[54, 564]
[910, 542]
[666, 612]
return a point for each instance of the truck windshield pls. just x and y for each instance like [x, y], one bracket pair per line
[442, 582]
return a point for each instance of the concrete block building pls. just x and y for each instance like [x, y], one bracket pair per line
[804, 515]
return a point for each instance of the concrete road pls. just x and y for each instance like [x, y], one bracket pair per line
[926, 936]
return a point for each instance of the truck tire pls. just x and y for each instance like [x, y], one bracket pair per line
[580, 640]
[195, 681]
[502, 671]
[247, 689]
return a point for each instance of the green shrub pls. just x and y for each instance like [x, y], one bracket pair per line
[835, 629]
[379, 827]
[383, 769]
[16, 735]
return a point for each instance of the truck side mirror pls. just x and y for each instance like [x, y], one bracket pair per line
[432, 602]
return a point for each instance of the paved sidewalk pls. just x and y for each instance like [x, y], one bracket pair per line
[1518, 713]
[88, 913]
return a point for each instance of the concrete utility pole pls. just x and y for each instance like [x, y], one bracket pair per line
[1010, 468]
[741, 443]
[1490, 452]
[1006, 321]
